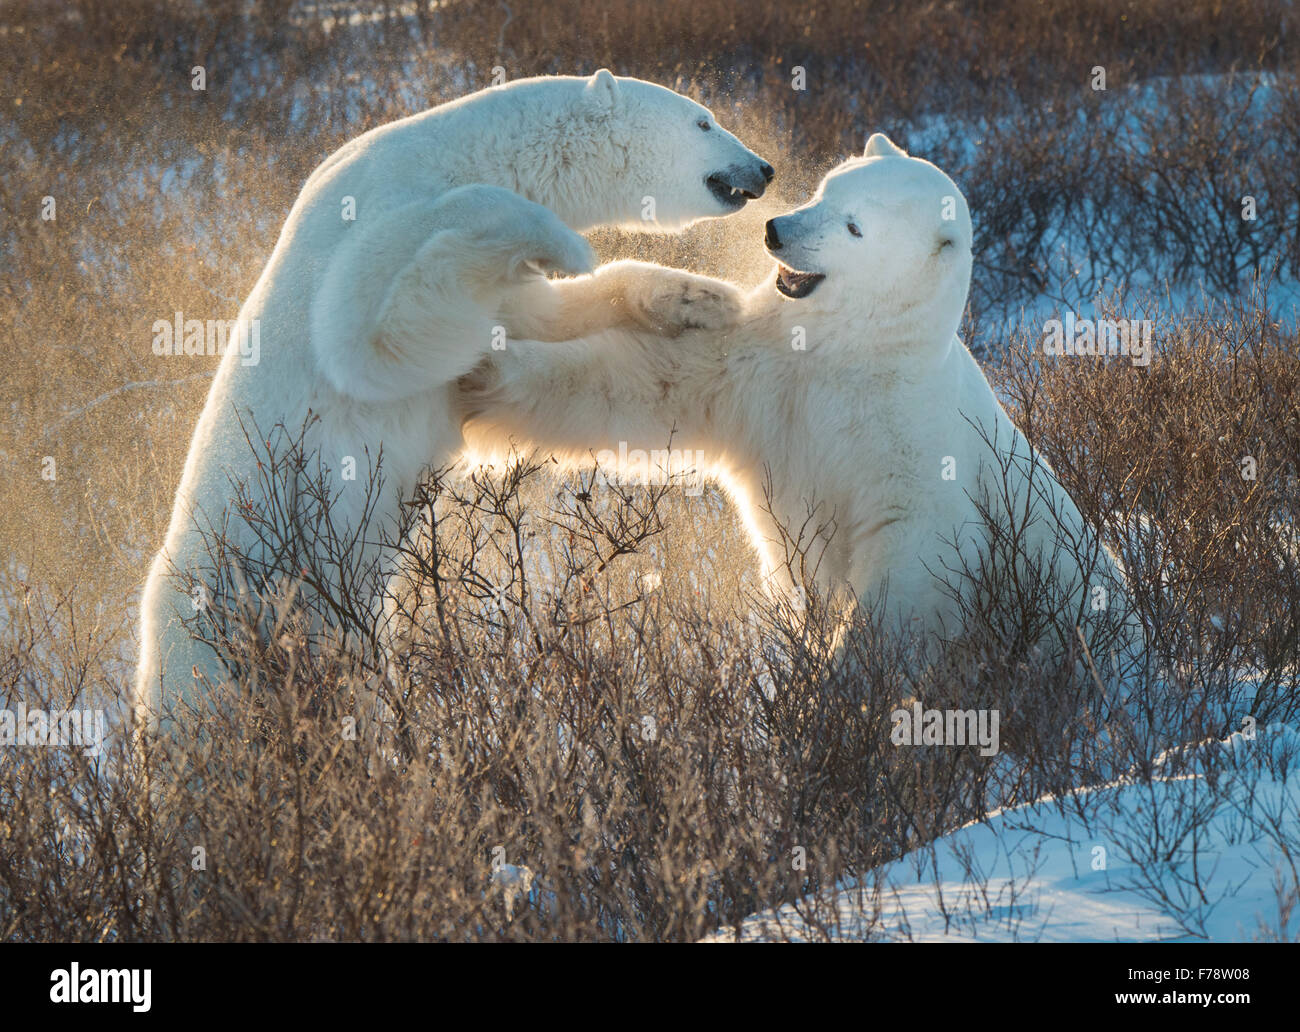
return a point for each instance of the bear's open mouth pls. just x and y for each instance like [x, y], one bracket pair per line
[727, 193]
[796, 284]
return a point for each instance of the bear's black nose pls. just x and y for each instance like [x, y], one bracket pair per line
[769, 173]
[770, 238]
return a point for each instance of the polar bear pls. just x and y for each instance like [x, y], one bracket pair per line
[385, 286]
[844, 392]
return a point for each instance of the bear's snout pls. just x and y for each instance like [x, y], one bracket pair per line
[750, 179]
[771, 237]
[735, 185]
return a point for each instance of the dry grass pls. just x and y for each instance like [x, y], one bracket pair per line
[654, 754]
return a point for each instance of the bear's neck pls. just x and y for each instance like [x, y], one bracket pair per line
[918, 339]
[518, 148]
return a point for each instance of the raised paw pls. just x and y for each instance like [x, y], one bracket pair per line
[679, 301]
[510, 234]
[561, 251]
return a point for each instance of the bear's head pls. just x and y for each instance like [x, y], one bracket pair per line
[622, 151]
[889, 232]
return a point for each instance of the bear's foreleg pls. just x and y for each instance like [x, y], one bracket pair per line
[629, 294]
[409, 302]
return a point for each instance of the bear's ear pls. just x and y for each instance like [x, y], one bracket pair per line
[881, 146]
[602, 88]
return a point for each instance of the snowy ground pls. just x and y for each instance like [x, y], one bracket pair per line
[1189, 857]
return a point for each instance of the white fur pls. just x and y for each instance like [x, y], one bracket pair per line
[365, 324]
[857, 428]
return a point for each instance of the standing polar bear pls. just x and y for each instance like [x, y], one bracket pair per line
[844, 387]
[366, 321]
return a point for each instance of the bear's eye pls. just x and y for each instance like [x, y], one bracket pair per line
[853, 228]
[703, 123]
